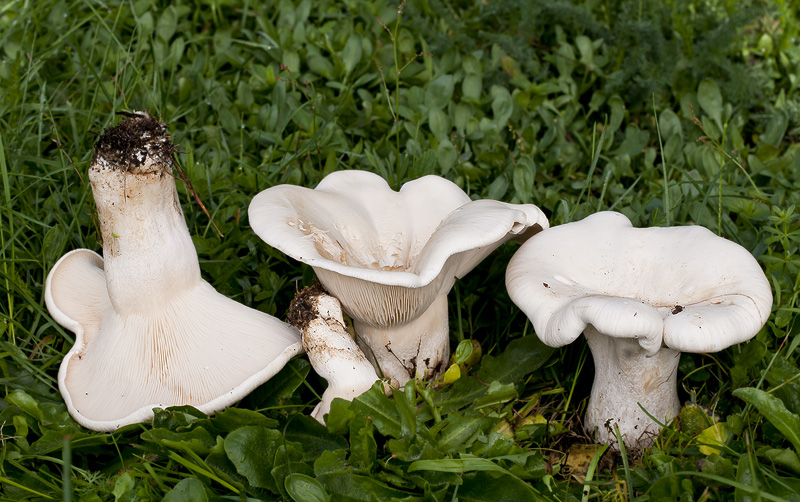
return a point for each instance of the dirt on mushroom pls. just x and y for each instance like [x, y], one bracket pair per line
[121, 147]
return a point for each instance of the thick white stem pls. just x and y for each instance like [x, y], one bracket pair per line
[417, 348]
[148, 254]
[147, 250]
[335, 356]
[625, 378]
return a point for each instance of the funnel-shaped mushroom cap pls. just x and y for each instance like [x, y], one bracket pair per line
[390, 257]
[149, 332]
[390, 253]
[685, 286]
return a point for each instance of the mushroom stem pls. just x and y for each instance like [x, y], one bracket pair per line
[333, 353]
[624, 378]
[146, 242]
[417, 348]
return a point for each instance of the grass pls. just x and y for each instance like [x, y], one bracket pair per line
[671, 112]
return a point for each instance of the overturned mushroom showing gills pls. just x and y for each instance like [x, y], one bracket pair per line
[149, 331]
[390, 257]
[640, 296]
[330, 347]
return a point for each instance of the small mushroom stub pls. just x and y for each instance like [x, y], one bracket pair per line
[391, 257]
[640, 296]
[333, 353]
[149, 331]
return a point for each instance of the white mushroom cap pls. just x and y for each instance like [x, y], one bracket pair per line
[640, 296]
[149, 331]
[683, 286]
[387, 255]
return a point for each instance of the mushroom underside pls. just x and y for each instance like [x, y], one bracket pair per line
[201, 349]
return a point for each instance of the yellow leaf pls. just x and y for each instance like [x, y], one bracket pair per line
[713, 438]
[452, 374]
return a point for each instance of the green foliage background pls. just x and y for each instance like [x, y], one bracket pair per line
[672, 112]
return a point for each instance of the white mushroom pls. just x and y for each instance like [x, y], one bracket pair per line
[640, 296]
[149, 331]
[390, 257]
[330, 348]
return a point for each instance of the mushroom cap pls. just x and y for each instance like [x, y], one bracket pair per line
[681, 286]
[368, 243]
[201, 348]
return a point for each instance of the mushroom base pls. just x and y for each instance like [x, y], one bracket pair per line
[335, 356]
[417, 348]
[625, 378]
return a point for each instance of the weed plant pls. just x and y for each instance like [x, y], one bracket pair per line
[673, 112]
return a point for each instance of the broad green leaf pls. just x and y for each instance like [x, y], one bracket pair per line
[176, 417]
[351, 54]
[55, 240]
[669, 125]
[463, 351]
[320, 65]
[747, 475]
[446, 155]
[375, 406]
[710, 99]
[339, 418]
[462, 393]
[485, 487]
[167, 23]
[439, 92]
[502, 105]
[331, 461]
[776, 128]
[522, 356]
[123, 487]
[252, 450]
[231, 419]
[198, 440]
[785, 457]
[420, 449]
[497, 393]
[404, 403]
[304, 488]
[524, 176]
[188, 490]
[460, 432]
[25, 402]
[781, 375]
[635, 141]
[363, 448]
[439, 123]
[468, 464]
[282, 385]
[53, 440]
[351, 487]
[287, 462]
[292, 61]
[617, 106]
[773, 410]
[312, 436]
[472, 86]
[498, 188]
[718, 466]
[586, 50]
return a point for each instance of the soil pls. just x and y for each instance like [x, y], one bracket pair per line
[128, 145]
[302, 309]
